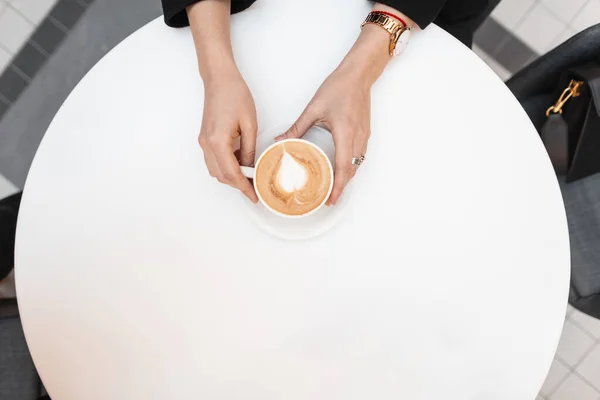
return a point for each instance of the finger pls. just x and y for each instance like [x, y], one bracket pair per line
[360, 149]
[301, 126]
[248, 142]
[231, 173]
[343, 164]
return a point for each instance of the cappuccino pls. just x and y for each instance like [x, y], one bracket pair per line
[293, 178]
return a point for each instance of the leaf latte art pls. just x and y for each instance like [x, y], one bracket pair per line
[293, 178]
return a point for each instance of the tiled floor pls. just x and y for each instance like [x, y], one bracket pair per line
[575, 372]
[519, 31]
[18, 20]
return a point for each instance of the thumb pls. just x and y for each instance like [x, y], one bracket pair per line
[301, 126]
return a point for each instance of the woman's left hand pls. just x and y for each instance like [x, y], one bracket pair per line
[342, 105]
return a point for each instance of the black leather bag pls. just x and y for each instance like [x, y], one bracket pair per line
[538, 86]
[571, 132]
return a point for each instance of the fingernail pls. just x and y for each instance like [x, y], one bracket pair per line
[278, 138]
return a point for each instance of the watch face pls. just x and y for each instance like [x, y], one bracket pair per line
[402, 42]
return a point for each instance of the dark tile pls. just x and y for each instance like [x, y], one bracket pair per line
[48, 36]
[514, 55]
[67, 12]
[29, 60]
[12, 84]
[490, 36]
[85, 3]
[3, 108]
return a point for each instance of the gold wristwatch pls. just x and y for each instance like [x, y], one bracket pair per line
[399, 32]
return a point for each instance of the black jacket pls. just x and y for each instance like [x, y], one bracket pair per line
[459, 17]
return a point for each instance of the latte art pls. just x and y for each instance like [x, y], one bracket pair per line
[293, 178]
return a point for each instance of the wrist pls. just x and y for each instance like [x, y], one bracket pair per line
[369, 56]
[218, 70]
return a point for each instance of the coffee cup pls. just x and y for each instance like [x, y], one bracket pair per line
[293, 178]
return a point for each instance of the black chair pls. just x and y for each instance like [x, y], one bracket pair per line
[534, 86]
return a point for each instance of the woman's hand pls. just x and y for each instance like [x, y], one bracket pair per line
[343, 104]
[229, 113]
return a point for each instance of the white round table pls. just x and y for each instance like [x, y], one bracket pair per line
[140, 277]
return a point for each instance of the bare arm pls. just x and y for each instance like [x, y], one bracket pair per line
[229, 110]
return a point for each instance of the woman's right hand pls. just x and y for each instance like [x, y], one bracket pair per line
[229, 113]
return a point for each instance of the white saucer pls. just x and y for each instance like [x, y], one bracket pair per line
[313, 225]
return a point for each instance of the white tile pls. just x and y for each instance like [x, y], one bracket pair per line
[561, 38]
[539, 28]
[590, 367]
[5, 58]
[574, 344]
[564, 10]
[510, 12]
[589, 324]
[6, 187]
[570, 309]
[33, 10]
[14, 29]
[2, 6]
[574, 388]
[558, 372]
[588, 16]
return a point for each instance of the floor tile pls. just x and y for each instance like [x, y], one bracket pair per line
[67, 12]
[490, 36]
[564, 10]
[2, 6]
[48, 36]
[574, 344]
[29, 60]
[514, 54]
[588, 16]
[558, 373]
[590, 367]
[12, 84]
[570, 309]
[510, 12]
[589, 324]
[5, 58]
[33, 10]
[574, 388]
[6, 187]
[14, 29]
[539, 28]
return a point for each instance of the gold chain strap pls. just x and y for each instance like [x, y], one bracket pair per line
[571, 91]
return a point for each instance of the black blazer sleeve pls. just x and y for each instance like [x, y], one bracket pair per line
[423, 12]
[176, 16]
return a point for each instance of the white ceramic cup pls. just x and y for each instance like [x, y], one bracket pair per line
[250, 173]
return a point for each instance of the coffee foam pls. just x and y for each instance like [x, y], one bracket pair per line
[293, 178]
[292, 175]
